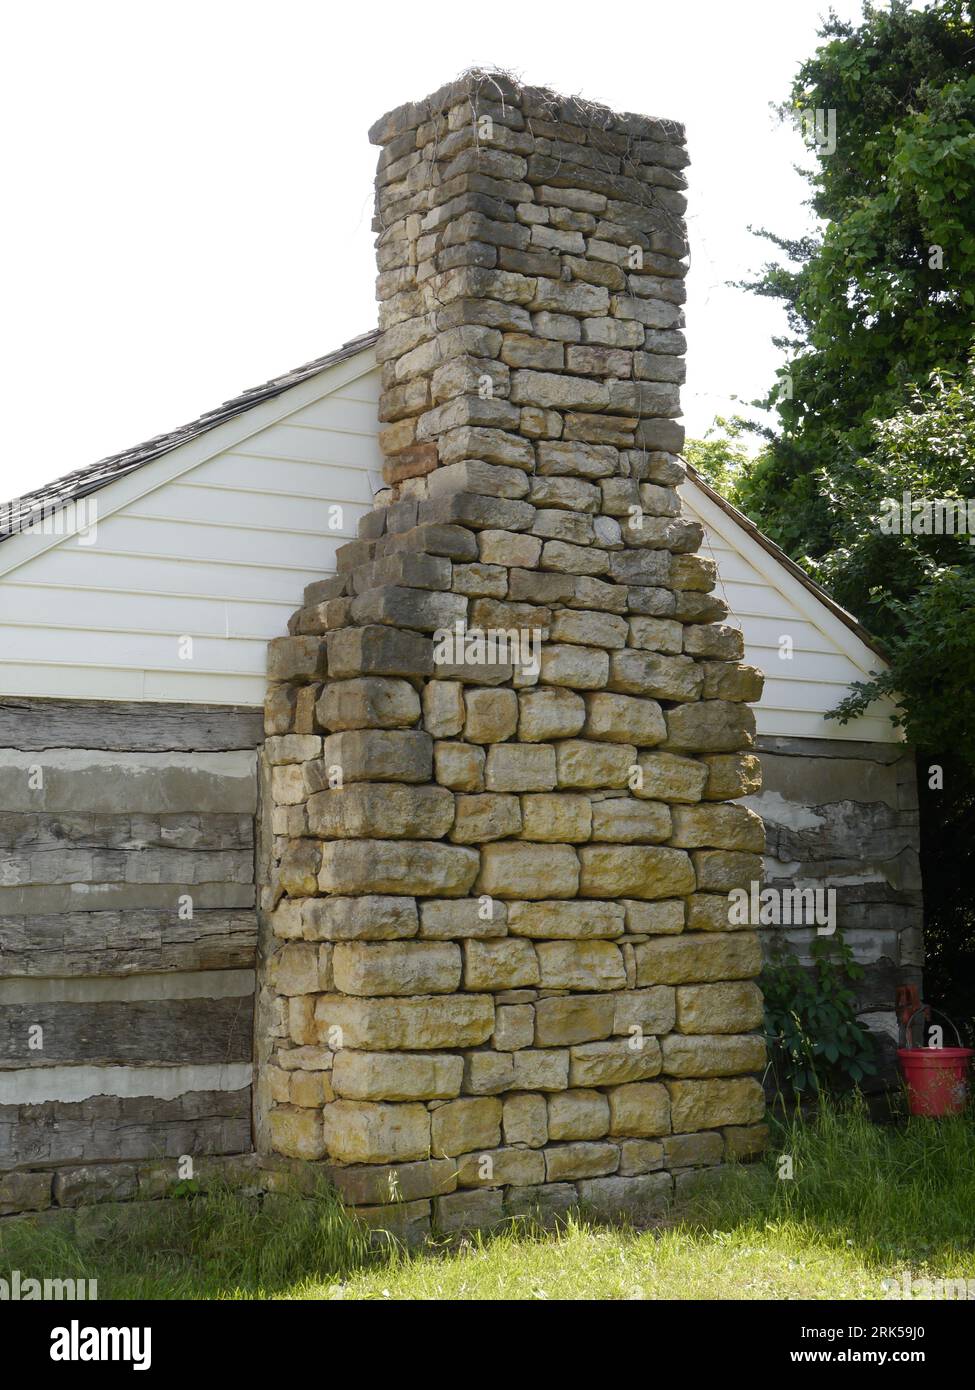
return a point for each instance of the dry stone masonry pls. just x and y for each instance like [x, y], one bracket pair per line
[504, 743]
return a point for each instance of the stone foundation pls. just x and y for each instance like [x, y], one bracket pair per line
[497, 970]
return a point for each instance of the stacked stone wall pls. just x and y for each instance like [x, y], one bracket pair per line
[505, 741]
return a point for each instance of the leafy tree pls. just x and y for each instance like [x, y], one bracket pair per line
[876, 398]
[885, 294]
[721, 457]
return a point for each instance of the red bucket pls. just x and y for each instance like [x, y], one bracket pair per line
[936, 1077]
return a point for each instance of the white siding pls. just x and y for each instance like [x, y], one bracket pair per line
[769, 604]
[215, 541]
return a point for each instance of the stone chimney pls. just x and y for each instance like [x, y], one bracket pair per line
[505, 740]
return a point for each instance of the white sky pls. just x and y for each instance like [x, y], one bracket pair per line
[188, 186]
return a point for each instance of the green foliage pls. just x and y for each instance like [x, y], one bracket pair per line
[720, 457]
[814, 1039]
[873, 305]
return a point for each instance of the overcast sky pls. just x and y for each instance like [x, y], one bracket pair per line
[188, 186]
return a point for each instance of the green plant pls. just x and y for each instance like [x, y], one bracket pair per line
[811, 1028]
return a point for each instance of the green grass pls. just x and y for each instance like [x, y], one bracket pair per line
[866, 1203]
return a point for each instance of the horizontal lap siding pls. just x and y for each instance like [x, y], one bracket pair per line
[220, 553]
[802, 687]
[115, 821]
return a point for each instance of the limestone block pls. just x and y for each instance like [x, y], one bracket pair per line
[711, 726]
[584, 764]
[367, 702]
[297, 1133]
[632, 1198]
[578, 1114]
[671, 777]
[576, 667]
[655, 918]
[718, 827]
[514, 1027]
[520, 767]
[643, 1011]
[380, 755]
[624, 719]
[443, 708]
[443, 919]
[459, 766]
[584, 1159]
[381, 810]
[731, 775]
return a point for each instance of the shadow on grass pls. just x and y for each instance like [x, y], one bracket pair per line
[898, 1196]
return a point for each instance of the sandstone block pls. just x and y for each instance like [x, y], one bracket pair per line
[522, 870]
[638, 1012]
[580, 965]
[443, 919]
[368, 1132]
[514, 1027]
[683, 960]
[565, 920]
[297, 1133]
[614, 1062]
[466, 1125]
[731, 775]
[387, 810]
[718, 827]
[425, 1022]
[711, 1104]
[712, 1055]
[417, 867]
[396, 967]
[730, 1007]
[711, 726]
[359, 919]
[503, 964]
[443, 708]
[623, 719]
[558, 817]
[632, 1198]
[559, 1022]
[639, 1110]
[634, 871]
[396, 1076]
[520, 767]
[655, 918]
[525, 1120]
[576, 667]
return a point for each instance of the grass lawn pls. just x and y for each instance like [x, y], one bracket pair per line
[866, 1203]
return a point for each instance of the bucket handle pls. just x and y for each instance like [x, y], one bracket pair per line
[923, 1009]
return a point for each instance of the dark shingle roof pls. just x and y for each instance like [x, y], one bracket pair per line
[15, 515]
